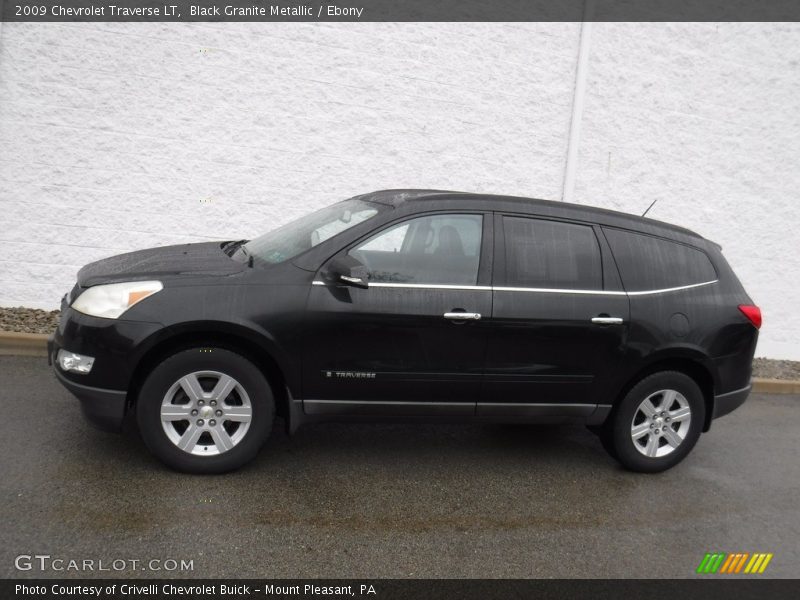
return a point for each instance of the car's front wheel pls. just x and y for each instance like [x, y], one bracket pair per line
[205, 410]
[657, 423]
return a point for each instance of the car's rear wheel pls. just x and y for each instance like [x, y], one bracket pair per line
[205, 410]
[657, 423]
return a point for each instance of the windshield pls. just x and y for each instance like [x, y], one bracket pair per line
[296, 237]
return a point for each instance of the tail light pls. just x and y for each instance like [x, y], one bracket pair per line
[753, 314]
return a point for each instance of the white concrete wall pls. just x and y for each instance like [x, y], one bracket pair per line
[705, 117]
[122, 136]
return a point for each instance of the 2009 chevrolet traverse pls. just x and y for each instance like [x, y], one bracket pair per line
[415, 304]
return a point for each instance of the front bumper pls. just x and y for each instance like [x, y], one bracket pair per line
[117, 346]
[730, 401]
[103, 408]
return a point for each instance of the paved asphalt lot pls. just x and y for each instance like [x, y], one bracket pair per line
[396, 500]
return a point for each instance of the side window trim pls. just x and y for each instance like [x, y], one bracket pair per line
[612, 279]
[492, 268]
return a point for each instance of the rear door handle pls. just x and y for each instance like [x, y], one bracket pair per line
[462, 316]
[607, 320]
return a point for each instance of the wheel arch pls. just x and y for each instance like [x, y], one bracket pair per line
[690, 362]
[253, 345]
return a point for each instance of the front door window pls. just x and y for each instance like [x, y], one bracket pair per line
[436, 249]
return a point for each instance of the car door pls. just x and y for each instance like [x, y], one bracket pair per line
[560, 320]
[414, 341]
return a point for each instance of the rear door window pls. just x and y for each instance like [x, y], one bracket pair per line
[551, 254]
[649, 263]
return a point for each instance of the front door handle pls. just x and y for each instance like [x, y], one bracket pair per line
[605, 320]
[462, 316]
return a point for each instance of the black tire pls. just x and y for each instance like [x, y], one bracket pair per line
[618, 432]
[161, 380]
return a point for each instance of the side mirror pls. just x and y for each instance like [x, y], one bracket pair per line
[346, 270]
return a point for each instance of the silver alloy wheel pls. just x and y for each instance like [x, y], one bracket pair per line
[206, 413]
[661, 423]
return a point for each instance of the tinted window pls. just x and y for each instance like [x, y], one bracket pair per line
[443, 249]
[549, 254]
[650, 263]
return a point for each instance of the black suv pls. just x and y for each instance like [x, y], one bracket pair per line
[416, 305]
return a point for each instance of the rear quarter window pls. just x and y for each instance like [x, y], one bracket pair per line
[650, 263]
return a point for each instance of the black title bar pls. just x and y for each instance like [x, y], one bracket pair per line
[400, 589]
[400, 10]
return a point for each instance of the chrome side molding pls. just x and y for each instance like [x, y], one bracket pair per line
[489, 288]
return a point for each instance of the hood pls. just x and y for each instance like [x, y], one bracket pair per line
[206, 258]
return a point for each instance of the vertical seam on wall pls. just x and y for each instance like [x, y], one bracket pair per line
[579, 94]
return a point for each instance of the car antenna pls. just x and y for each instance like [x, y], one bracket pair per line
[649, 207]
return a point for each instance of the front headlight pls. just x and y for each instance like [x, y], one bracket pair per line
[113, 299]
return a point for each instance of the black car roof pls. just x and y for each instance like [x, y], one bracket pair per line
[551, 208]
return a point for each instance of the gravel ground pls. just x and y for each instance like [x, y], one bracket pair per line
[28, 320]
[34, 320]
[776, 369]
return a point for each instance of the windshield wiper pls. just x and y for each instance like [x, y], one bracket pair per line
[230, 247]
